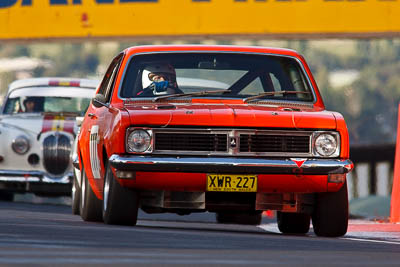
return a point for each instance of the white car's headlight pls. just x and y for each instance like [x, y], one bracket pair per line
[139, 141]
[20, 145]
[326, 144]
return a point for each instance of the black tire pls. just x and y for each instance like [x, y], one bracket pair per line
[331, 213]
[225, 217]
[6, 196]
[90, 205]
[293, 223]
[76, 194]
[244, 218]
[120, 204]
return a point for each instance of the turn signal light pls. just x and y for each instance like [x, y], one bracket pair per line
[126, 174]
[336, 178]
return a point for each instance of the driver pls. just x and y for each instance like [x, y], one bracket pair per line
[29, 104]
[163, 80]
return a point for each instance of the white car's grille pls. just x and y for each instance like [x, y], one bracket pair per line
[56, 153]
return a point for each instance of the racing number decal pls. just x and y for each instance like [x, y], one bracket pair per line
[94, 156]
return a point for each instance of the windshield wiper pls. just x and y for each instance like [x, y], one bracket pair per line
[251, 98]
[191, 94]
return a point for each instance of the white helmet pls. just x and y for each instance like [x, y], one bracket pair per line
[161, 69]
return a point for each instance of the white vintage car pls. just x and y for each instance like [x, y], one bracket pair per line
[37, 130]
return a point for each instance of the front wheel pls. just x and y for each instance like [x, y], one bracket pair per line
[6, 196]
[90, 204]
[76, 193]
[120, 204]
[331, 213]
[293, 223]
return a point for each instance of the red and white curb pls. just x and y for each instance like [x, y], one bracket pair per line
[360, 230]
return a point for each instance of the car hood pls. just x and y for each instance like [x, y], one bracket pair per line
[229, 115]
[38, 123]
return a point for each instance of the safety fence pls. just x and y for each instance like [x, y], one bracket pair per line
[373, 170]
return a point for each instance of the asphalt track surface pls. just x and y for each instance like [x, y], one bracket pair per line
[49, 235]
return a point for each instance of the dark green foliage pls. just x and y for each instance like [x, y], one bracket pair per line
[369, 104]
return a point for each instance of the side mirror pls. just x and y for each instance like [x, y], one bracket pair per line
[99, 101]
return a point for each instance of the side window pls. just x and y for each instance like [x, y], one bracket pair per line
[109, 78]
[12, 106]
[111, 82]
[297, 79]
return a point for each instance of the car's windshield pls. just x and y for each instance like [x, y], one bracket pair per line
[35, 104]
[234, 75]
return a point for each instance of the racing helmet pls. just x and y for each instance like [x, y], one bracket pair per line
[165, 70]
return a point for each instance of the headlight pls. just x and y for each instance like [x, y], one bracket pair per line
[326, 144]
[138, 141]
[20, 145]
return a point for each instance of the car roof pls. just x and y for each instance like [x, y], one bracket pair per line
[212, 48]
[54, 82]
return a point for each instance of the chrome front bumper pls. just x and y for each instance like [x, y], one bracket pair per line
[35, 182]
[230, 165]
[33, 176]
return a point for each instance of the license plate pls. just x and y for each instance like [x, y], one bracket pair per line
[232, 182]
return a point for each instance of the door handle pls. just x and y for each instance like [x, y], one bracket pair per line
[92, 116]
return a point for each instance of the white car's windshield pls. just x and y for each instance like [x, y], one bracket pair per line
[35, 104]
[233, 75]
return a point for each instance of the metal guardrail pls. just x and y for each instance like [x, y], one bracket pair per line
[373, 172]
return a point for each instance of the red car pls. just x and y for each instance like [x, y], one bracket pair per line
[225, 129]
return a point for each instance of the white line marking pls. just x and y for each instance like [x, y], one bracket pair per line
[370, 240]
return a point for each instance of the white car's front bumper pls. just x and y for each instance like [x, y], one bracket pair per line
[35, 182]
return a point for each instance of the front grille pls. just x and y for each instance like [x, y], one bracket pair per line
[274, 143]
[191, 142]
[56, 153]
[232, 142]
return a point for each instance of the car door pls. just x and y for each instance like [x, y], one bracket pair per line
[97, 121]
